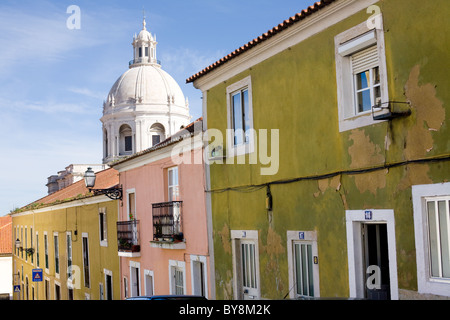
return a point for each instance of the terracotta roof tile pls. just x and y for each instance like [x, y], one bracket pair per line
[5, 235]
[265, 36]
[105, 179]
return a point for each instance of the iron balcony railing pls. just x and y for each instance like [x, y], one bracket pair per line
[128, 236]
[167, 221]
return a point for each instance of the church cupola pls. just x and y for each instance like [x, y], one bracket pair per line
[144, 46]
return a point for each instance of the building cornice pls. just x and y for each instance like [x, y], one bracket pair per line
[315, 23]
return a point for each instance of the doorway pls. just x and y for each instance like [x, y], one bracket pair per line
[376, 261]
[372, 254]
[134, 279]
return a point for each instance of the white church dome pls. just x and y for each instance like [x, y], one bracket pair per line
[144, 106]
[147, 84]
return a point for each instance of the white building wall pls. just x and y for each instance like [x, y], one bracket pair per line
[6, 286]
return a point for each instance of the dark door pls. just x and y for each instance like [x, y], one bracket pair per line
[376, 258]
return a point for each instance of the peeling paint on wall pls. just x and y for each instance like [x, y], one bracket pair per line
[325, 184]
[364, 153]
[275, 251]
[430, 115]
[224, 235]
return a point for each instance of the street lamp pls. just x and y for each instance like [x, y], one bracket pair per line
[114, 193]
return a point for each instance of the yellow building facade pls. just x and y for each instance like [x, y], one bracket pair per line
[74, 243]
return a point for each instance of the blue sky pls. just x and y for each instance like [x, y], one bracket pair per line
[53, 80]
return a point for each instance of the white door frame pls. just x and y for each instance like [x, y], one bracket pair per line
[354, 220]
[236, 237]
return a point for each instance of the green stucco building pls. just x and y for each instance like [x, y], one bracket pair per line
[329, 155]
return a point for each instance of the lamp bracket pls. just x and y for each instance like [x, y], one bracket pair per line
[114, 193]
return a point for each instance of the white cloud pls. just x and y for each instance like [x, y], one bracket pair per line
[185, 61]
[29, 37]
[88, 93]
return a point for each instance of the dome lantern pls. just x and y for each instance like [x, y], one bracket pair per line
[144, 48]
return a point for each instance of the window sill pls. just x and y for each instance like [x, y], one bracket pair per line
[358, 121]
[171, 245]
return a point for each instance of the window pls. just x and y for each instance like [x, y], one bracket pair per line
[56, 246]
[157, 132]
[248, 265]
[31, 244]
[37, 250]
[303, 257]
[240, 116]
[240, 137]
[86, 260]
[125, 140]
[431, 205]
[103, 232]
[128, 144]
[46, 250]
[438, 234]
[155, 140]
[25, 244]
[245, 264]
[177, 277]
[69, 255]
[303, 264]
[21, 239]
[173, 191]
[146, 51]
[131, 205]
[361, 75]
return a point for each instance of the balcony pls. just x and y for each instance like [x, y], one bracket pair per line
[167, 225]
[128, 238]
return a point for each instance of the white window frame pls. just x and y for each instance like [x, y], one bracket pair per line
[83, 236]
[135, 265]
[149, 273]
[57, 260]
[171, 185]
[37, 250]
[203, 260]
[346, 44]
[420, 194]
[103, 237]
[173, 265]
[248, 147]
[69, 258]
[46, 255]
[129, 192]
[303, 237]
[354, 220]
[236, 237]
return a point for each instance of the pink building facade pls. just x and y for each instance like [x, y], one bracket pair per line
[162, 226]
